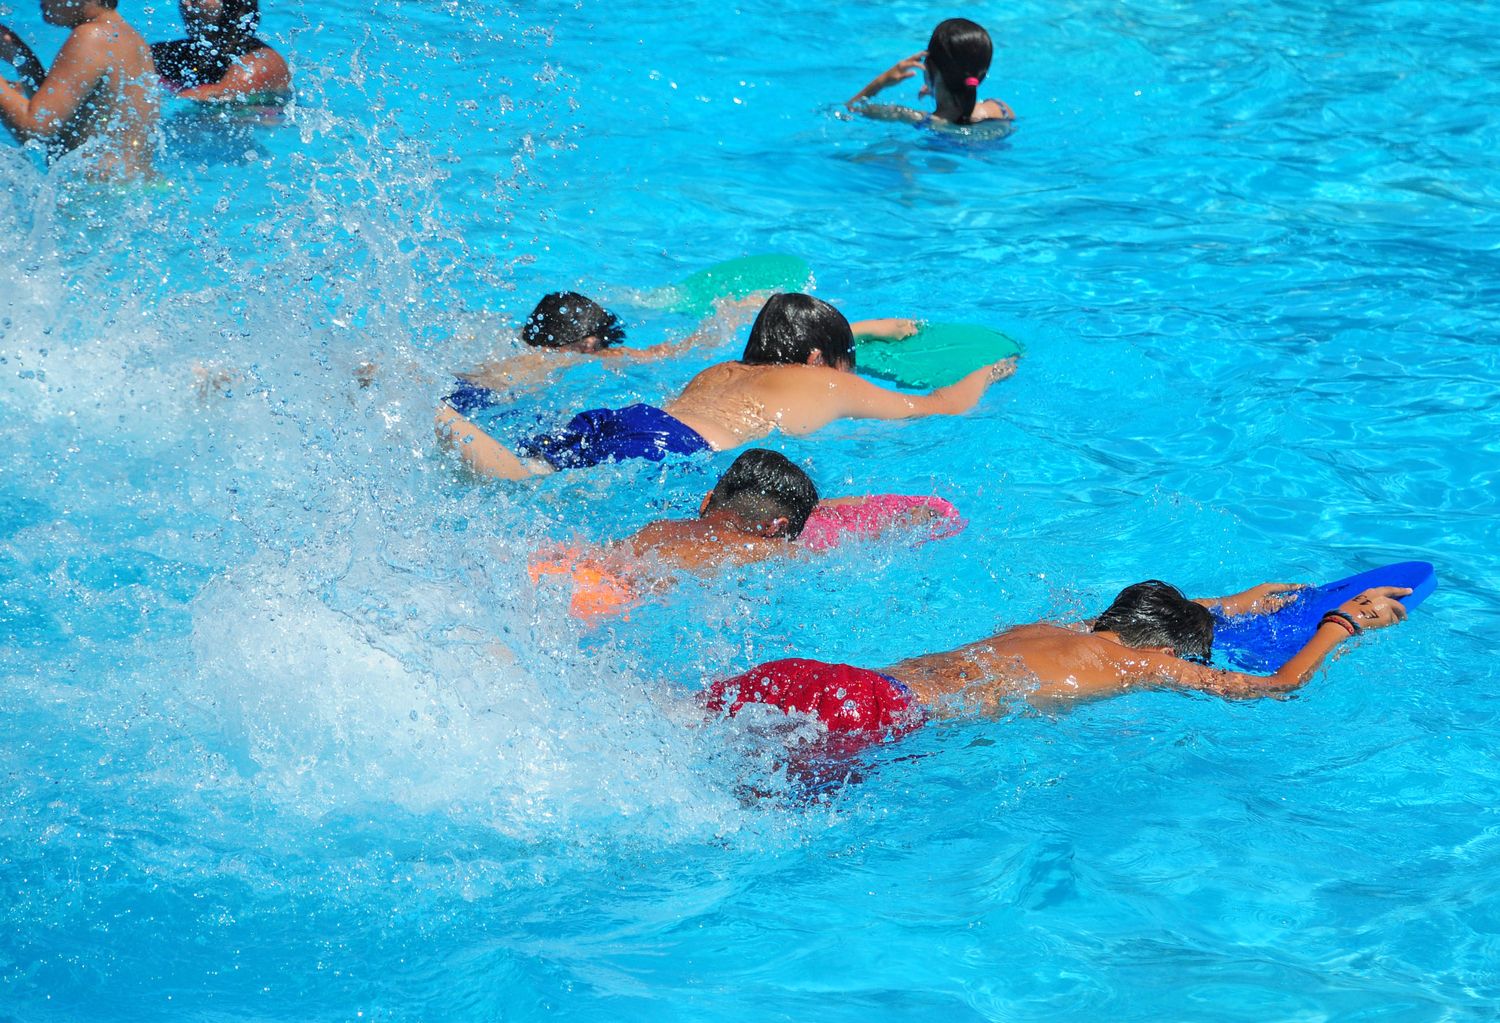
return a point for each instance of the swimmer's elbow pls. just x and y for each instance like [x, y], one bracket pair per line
[45, 124]
[27, 127]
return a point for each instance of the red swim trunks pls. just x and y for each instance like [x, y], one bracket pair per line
[843, 697]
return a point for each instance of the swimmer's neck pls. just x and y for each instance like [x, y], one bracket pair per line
[727, 521]
[947, 107]
[721, 526]
[1114, 637]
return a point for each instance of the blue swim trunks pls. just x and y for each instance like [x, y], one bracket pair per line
[492, 411]
[468, 398]
[614, 435]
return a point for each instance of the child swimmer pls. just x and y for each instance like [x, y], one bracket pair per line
[796, 375]
[1151, 637]
[567, 328]
[956, 61]
[221, 58]
[757, 509]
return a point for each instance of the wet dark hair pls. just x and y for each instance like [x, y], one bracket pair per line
[761, 486]
[566, 317]
[1154, 613]
[239, 18]
[206, 58]
[959, 50]
[789, 327]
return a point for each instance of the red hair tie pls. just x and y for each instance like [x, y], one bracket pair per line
[971, 82]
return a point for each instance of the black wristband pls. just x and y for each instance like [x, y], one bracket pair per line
[1343, 619]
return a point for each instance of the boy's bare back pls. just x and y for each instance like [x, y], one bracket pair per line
[101, 88]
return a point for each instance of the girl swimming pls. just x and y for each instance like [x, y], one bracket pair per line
[954, 64]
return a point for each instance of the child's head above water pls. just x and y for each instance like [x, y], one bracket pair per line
[792, 328]
[958, 58]
[206, 19]
[765, 489]
[566, 319]
[1156, 614]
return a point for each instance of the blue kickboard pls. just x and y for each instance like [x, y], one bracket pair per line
[1263, 643]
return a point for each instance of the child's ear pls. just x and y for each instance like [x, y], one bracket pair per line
[706, 498]
[815, 358]
[779, 525]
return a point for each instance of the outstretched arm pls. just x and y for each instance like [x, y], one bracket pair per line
[19, 56]
[857, 398]
[480, 452]
[1373, 609]
[729, 315]
[1257, 600]
[890, 328]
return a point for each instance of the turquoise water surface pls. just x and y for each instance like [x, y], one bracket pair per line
[286, 733]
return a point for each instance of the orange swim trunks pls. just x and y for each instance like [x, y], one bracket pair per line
[598, 590]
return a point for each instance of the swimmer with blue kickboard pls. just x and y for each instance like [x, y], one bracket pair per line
[1150, 637]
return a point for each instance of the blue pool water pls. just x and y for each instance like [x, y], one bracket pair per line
[286, 734]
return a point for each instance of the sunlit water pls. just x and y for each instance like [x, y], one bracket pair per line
[286, 733]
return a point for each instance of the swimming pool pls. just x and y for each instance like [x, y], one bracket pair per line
[286, 733]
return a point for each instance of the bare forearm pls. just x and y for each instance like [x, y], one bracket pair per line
[960, 396]
[1233, 685]
[1261, 599]
[1300, 668]
[260, 73]
[901, 72]
[869, 91]
[892, 328]
[1375, 608]
[480, 452]
[1232, 605]
[666, 350]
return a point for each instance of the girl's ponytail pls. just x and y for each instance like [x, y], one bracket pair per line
[959, 53]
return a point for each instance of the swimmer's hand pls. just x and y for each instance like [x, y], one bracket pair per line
[211, 381]
[1257, 600]
[899, 72]
[1376, 607]
[890, 328]
[1000, 370]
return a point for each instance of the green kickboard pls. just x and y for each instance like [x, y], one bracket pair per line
[935, 356]
[737, 278]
